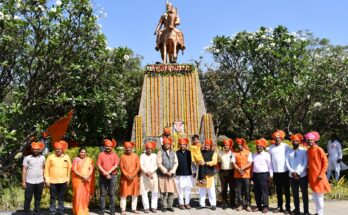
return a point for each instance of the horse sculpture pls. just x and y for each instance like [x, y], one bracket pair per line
[170, 39]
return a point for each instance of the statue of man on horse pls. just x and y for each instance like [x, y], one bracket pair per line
[169, 39]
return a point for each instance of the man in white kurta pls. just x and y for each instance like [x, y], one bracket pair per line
[148, 177]
[334, 149]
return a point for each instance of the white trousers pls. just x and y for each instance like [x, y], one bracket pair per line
[211, 195]
[124, 202]
[184, 193]
[145, 200]
[333, 166]
[318, 199]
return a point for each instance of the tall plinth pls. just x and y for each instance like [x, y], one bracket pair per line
[171, 97]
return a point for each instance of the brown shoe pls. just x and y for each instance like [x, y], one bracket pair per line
[182, 207]
[255, 210]
[135, 212]
[265, 210]
[153, 210]
[239, 208]
[188, 207]
[146, 211]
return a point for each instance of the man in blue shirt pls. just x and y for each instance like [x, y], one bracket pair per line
[297, 162]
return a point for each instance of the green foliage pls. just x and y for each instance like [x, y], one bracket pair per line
[54, 59]
[339, 190]
[270, 79]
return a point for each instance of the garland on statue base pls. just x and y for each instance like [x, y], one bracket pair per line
[169, 68]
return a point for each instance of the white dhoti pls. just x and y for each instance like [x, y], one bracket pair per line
[184, 184]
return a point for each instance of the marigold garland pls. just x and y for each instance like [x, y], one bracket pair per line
[138, 132]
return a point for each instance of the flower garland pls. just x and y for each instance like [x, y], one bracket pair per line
[138, 133]
[147, 104]
[196, 88]
[158, 105]
[165, 68]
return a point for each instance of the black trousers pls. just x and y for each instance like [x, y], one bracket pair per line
[261, 189]
[36, 190]
[227, 180]
[242, 188]
[282, 183]
[295, 185]
[57, 191]
[107, 186]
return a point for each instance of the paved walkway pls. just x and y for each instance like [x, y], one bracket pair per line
[331, 207]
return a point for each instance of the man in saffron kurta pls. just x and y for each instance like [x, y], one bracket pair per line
[129, 184]
[317, 166]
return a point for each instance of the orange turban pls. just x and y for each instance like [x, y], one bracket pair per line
[297, 137]
[37, 145]
[279, 133]
[167, 131]
[228, 142]
[109, 143]
[150, 145]
[183, 141]
[261, 142]
[167, 141]
[129, 144]
[60, 145]
[242, 141]
[209, 142]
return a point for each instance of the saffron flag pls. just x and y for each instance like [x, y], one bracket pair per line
[58, 129]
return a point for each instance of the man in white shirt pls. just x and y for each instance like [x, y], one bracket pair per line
[297, 162]
[33, 177]
[262, 173]
[226, 173]
[334, 150]
[148, 177]
[280, 172]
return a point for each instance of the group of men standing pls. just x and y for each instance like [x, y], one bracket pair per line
[168, 173]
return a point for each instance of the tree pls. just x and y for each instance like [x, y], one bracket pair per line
[54, 58]
[259, 74]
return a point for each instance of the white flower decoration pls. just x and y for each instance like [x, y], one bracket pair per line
[1, 16]
[317, 105]
[126, 57]
[288, 40]
[272, 44]
[58, 3]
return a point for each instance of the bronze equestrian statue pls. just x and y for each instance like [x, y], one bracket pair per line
[169, 39]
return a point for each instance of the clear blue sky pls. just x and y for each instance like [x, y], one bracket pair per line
[132, 23]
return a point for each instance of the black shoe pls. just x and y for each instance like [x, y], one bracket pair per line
[153, 210]
[200, 207]
[287, 212]
[101, 213]
[171, 209]
[224, 206]
[295, 212]
[164, 210]
[278, 210]
[213, 207]
[112, 212]
[307, 213]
